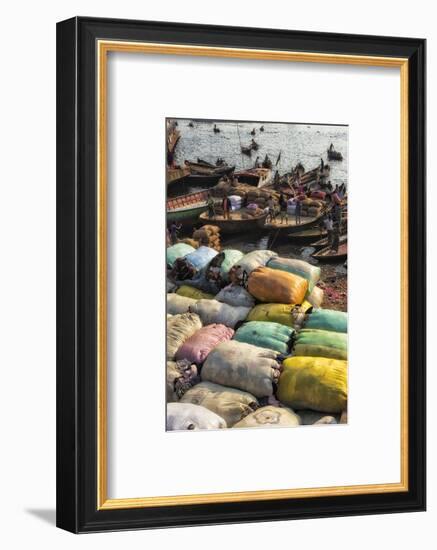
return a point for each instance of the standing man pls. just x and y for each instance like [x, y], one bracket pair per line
[298, 212]
[283, 208]
[226, 205]
[329, 226]
[210, 205]
[335, 239]
[174, 232]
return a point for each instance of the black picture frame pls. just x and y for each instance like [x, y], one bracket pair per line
[77, 264]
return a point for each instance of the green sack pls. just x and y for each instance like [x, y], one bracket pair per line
[266, 335]
[322, 338]
[178, 250]
[327, 319]
[314, 383]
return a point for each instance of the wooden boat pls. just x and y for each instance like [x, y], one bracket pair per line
[236, 224]
[206, 169]
[246, 151]
[258, 177]
[322, 243]
[326, 255]
[334, 155]
[290, 228]
[261, 129]
[176, 174]
[201, 181]
[186, 209]
[307, 235]
[216, 130]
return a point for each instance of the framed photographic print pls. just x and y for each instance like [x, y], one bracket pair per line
[241, 274]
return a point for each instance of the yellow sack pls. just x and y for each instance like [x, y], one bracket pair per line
[315, 383]
[314, 350]
[284, 314]
[191, 292]
[273, 285]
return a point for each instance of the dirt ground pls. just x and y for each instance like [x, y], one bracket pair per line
[334, 282]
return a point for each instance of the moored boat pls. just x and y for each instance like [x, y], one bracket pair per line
[236, 223]
[176, 174]
[186, 209]
[328, 255]
[322, 243]
[206, 169]
[307, 235]
[258, 177]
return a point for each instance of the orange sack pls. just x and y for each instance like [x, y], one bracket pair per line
[273, 285]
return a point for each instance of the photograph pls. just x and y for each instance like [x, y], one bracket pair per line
[256, 274]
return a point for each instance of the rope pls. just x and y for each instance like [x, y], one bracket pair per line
[241, 152]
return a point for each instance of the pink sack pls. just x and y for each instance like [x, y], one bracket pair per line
[198, 346]
[318, 195]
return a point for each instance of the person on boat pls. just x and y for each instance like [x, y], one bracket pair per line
[253, 132]
[298, 212]
[256, 163]
[335, 239]
[283, 208]
[226, 206]
[331, 147]
[329, 227]
[174, 232]
[261, 129]
[322, 164]
[211, 206]
[337, 202]
[216, 130]
[272, 209]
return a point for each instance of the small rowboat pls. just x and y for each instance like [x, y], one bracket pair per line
[322, 243]
[307, 235]
[327, 255]
[334, 155]
[186, 209]
[236, 224]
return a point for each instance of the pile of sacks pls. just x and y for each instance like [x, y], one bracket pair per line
[208, 235]
[260, 197]
[256, 353]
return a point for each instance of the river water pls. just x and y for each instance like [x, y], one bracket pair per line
[305, 143]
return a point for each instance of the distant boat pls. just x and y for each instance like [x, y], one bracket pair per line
[216, 130]
[326, 254]
[253, 132]
[333, 154]
[246, 151]
[236, 224]
[261, 129]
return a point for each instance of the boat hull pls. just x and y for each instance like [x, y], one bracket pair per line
[324, 256]
[234, 226]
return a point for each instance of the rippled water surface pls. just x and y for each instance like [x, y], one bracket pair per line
[306, 143]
